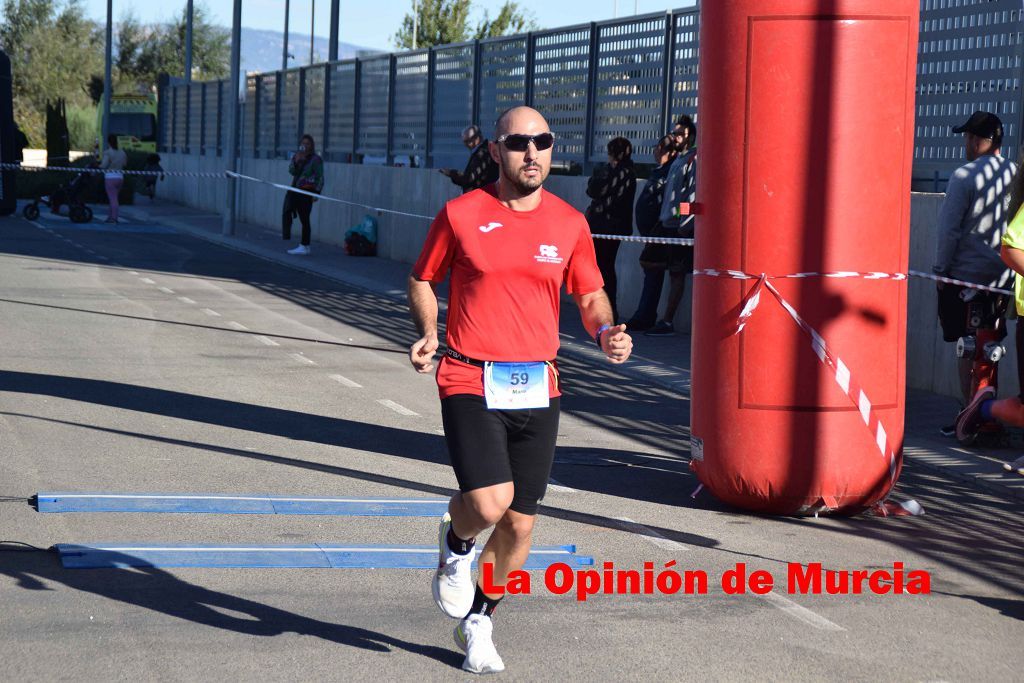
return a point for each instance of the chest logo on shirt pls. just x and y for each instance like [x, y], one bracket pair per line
[548, 253]
[490, 226]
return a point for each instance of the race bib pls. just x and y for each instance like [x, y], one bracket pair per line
[516, 386]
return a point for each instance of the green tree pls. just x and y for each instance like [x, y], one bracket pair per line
[53, 49]
[511, 19]
[163, 50]
[440, 22]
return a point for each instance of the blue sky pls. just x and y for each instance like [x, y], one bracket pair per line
[372, 24]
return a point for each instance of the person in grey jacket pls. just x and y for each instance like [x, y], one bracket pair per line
[972, 221]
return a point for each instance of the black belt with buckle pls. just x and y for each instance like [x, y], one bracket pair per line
[452, 353]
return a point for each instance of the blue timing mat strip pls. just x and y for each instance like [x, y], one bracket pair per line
[232, 504]
[336, 556]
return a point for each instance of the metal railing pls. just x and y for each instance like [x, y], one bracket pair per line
[628, 77]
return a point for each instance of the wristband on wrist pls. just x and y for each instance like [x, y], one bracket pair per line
[601, 330]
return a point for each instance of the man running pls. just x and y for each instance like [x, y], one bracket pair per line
[509, 247]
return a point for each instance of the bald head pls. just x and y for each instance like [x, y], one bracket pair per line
[524, 120]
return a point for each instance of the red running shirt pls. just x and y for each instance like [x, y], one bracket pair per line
[507, 268]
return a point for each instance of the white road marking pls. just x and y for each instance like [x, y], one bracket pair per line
[553, 485]
[267, 340]
[800, 613]
[167, 290]
[211, 312]
[185, 300]
[148, 281]
[345, 381]
[649, 534]
[398, 408]
[133, 272]
[302, 359]
[237, 326]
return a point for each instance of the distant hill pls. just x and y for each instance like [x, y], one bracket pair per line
[261, 49]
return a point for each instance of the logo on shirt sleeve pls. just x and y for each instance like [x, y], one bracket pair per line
[548, 253]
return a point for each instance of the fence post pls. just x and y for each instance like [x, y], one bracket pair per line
[301, 118]
[327, 109]
[590, 114]
[202, 118]
[668, 66]
[356, 97]
[528, 89]
[188, 115]
[477, 83]
[429, 152]
[388, 142]
[278, 92]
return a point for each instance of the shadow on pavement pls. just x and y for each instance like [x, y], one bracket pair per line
[160, 591]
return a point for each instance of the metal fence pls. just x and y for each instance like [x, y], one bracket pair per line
[594, 81]
[627, 77]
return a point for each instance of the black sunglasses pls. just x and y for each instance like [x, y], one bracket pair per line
[520, 143]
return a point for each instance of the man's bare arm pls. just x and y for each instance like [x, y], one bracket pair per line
[596, 311]
[423, 307]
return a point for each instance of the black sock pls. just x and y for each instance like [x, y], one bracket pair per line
[459, 546]
[483, 604]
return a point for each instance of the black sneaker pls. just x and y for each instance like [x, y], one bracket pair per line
[948, 430]
[661, 329]
[634, 325]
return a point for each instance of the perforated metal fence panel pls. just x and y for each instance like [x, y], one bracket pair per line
[211, 117]
[409, 126]
[313, 104]
[374, 86]
[684, 65]
[266, 135]
[250, 132]
[561, 62]
[341, 116]
[195, 117]
[969, 58]
[629, 83]
[453, 103]
[502, 79]
[180, 117]
[288, 125]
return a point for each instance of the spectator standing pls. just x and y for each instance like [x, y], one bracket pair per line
[113, 162]
[612, 190]
[481, 169]
[648, 208]
[680, 187]
[307, 172]
[972, 221]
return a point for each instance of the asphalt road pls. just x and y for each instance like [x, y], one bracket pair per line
[141, 359]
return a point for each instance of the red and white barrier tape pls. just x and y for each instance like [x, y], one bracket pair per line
[686, 241]
[85, 169]
[838, 369]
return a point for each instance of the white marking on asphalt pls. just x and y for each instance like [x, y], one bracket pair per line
[267, 340]
[237, 326]
[439, 431]
[175, 496]
[147, 281]
[398, 408]
[302, 359]
[185, 300]
[649, 534]
[800, 613]
[320, 548]
[133, 272]
[554, 485]
[167, 290]
[345, 381]
[211, 312]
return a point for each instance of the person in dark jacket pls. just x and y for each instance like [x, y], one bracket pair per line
[307, 172]
[612, 189]
[480, 169]
[648, 208]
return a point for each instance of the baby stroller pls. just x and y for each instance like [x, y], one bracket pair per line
[72, 193]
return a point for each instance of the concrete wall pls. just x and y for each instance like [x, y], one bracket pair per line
[930, 362]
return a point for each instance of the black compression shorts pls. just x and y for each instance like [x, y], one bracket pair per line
[489, 447]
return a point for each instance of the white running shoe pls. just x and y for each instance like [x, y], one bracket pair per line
[453, 581]
[300, 250]
[473, 636]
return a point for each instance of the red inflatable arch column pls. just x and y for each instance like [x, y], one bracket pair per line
[806, 129]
